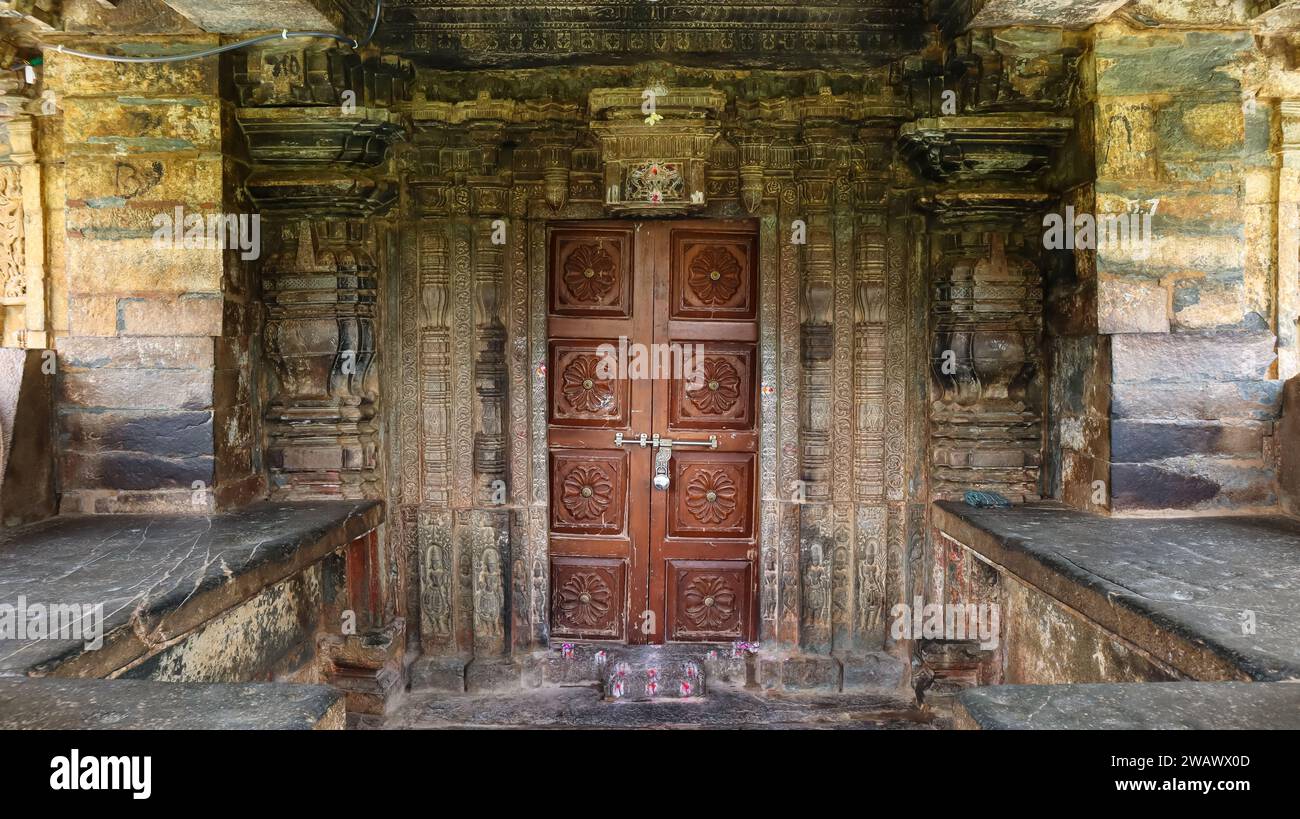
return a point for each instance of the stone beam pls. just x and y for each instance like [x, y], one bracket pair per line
[234, 16]
[1073, 14]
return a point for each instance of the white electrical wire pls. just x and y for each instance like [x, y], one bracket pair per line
[284, 34]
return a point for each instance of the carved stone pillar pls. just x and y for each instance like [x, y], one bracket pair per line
[319, 126]
[319, 290]
[986, 411]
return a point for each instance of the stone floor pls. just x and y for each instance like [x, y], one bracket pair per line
[581, 707]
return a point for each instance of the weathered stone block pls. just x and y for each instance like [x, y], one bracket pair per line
[150, 185]
[138, 265]
[1140, 441]
[137, 389]
[873, 671]
[92, 315]
[133, 470]
[158, 352]
[27, 490]
[437, 673]
[1208, 401]
[1131, 307]
[90, 77]
[1187, 484]
[193, 314]
[1288, 436]
[799, 673]
[493, 674]
[168, 435]
[131, 125]
[1186, 357]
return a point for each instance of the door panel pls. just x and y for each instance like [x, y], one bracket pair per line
[630, 562]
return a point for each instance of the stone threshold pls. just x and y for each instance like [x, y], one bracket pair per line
[159, 577]
[1178, 588]
[1130, 706]
[582, 707]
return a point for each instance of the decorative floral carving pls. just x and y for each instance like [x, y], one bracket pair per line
[587, 491]
[710, 602]
[714, 276]
[654, 182]
[711, 495]
[584, 599]
[590, 272]
[718, 390]
[583, 388]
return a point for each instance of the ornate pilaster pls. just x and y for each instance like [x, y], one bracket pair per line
[986, 413]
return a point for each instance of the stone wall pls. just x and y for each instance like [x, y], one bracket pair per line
[1189, 308]
[153, 399]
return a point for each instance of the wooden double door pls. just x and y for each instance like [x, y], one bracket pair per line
[653, 380]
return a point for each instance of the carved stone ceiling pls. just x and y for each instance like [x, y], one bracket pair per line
[771, 34]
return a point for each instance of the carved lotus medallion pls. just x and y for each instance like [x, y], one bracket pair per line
[584, 389]
[714, 276]
[718, 390]
[587, 491]
[590, 273]
[584, 599]
[709, 602]
[711, 495]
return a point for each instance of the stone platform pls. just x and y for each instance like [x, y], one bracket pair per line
[162, 577]
[124, 705]
[1131, 706]
[1202, 598]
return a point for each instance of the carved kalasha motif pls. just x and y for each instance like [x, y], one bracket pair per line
[659, 166]
[655, 182]
[986, 422]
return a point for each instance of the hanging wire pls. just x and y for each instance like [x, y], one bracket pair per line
[265, 38]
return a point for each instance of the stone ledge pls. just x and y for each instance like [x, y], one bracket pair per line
[1174, 587]
[160, 577]
[1130, 706]
[62, 705]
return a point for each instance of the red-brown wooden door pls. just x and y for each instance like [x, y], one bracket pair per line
[629, 561]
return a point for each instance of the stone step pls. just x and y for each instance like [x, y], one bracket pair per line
[645, 673]
[64, 704]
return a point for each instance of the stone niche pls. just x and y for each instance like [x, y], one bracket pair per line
[655, 145]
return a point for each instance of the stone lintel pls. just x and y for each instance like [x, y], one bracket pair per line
[235, 16]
